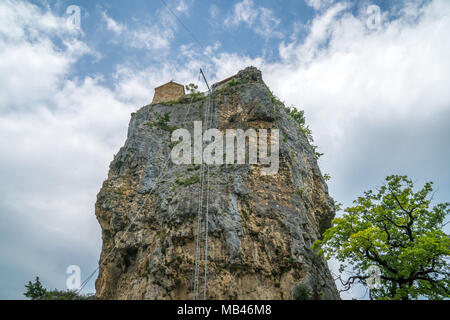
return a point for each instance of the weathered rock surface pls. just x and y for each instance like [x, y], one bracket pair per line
[261, 228]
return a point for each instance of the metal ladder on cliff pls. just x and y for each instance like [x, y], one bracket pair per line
[197, 257]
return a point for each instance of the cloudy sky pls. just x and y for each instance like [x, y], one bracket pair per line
[372, 76]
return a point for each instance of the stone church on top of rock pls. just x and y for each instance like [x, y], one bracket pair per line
[171, 91]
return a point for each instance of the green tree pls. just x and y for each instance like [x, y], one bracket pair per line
[191, 88]
[35, 290]
[396, 230]
[299, 117]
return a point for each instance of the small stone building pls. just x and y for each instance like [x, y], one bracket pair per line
[170, 91]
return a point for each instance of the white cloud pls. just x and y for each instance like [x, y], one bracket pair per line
[55, 135]
[134, 86]
[243, 11]
[30, 62]
[214, 11]
[215, 17]
[151, 38]
[209, 50]
[319, 33]
[319, 4]
[268, 24]
[343, 69]
[20, 21]
[145, 36]
[228, 64]
[261, 20]
[113, 25]
[155, 34]
[183, 6]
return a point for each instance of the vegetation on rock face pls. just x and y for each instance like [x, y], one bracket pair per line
[162, 122]
[274, 98]
[189, 181]
[395, 230]
[233, 82]
[194, 167]
[299, 117]
[35, 291]
[195, 95]
[117, 164]
[301, 293]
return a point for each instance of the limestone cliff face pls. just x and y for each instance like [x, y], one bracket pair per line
[261, 228]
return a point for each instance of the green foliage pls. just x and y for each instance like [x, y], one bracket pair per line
[292, 153]
[188, 181]
[245, 215]
[172, 144]
[63, 295]
[274, 98]
[233, 82]
[117, 164]
[191, 88]
[316, 153]
[162, 122]
[394, 229]
[304, 194]
[35, 291]
[174, 102]
[194, 167]
[301, 292]
[326, 177]
[299, 117]
[195, 95]
[224, 88]
[338, 206]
